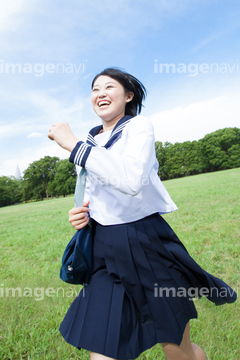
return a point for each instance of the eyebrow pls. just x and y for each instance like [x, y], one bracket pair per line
[109, 82]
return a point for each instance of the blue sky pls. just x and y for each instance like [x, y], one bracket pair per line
[51, 50]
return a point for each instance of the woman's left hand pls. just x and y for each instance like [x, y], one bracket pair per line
[78, 216]
[62, 134]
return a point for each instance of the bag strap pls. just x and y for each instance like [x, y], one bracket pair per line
[80, 188]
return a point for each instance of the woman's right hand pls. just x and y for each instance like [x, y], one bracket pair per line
[79, 217]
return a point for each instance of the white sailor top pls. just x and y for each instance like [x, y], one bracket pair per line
[122, 176]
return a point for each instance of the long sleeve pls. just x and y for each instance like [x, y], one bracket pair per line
[126, 171]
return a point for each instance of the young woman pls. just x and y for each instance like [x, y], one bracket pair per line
[143, 279]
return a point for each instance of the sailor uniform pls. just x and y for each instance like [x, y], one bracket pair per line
[121, 312]
[122, 175]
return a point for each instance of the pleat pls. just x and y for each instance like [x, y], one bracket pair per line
[94, 320]
[169, 315]
[218, 291]
[120, 313]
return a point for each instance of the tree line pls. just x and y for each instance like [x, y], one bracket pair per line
[51, 177]
[45, 178]
[219, 150]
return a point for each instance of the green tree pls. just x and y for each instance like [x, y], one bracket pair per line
[65, 178]
[179, 159]
[10, 191]
[220, 149]
[234, 156]
[39, 176]
[161, 154]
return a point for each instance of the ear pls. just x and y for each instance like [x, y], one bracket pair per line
[129, 96]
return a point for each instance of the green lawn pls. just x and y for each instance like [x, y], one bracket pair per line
[33, 237]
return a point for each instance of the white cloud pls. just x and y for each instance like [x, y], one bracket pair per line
[35, 135]
[10, 11]
[81, 26]
[27, 155]
[24, 137]
[34, 112]
[14, 129]
[207, 41]
[194, 121]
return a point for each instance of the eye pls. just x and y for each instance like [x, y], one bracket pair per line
[94, 90]
[109, 86]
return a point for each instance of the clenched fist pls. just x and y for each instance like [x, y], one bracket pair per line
[62, 134]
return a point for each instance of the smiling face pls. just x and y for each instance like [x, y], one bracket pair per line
[109, 100]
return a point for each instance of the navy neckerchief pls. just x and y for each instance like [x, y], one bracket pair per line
[115, 134]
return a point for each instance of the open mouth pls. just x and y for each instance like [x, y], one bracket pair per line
[103, 103]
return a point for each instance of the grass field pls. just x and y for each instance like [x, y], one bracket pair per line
[33, 237]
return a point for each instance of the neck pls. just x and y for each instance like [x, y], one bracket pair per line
[109, 125]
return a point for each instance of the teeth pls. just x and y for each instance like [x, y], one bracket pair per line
[101, 103]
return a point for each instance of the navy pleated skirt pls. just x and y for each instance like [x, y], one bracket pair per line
[140, 292]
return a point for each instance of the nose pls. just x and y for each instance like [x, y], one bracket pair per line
[101, 93]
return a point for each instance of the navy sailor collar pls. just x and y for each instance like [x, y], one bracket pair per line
[115, 134]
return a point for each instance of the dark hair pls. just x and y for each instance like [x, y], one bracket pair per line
[130, 83]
